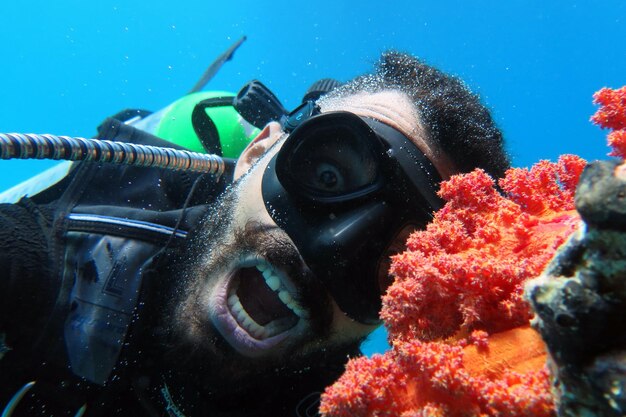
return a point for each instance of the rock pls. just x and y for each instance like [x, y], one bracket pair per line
[580, 300]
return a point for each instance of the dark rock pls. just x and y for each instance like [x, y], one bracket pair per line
[601, 196]
[580, 301]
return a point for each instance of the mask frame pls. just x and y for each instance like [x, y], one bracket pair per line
[341, 234]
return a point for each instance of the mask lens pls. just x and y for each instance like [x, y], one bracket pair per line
[331, 159]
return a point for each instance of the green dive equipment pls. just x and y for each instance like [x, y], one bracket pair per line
[206, 122]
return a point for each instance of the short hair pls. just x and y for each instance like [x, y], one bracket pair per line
[454, 117]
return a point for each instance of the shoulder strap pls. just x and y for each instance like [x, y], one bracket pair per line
[204, 126]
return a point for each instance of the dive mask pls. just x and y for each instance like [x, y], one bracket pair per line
[345, 189]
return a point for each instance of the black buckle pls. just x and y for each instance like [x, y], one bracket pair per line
[301, 113]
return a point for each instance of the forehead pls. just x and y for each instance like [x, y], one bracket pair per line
[391, 107]
[394, 108]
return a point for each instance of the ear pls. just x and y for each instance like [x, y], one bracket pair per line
[255, 149]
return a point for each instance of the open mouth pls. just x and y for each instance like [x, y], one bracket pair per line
[257, 308]
[261, 303]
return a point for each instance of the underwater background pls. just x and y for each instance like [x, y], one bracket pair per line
[69, 64]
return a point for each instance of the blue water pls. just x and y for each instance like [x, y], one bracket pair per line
[67, 64]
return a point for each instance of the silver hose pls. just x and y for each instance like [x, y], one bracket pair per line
[35, 146]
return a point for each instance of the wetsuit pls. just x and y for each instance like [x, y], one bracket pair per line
[85, 267]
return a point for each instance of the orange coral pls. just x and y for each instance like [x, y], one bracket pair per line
[462, 280]
[612, 115]
[440, 379]
[466, 271]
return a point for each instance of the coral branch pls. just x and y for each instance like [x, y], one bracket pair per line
[617, 141]
[612, 115]
[612, 111]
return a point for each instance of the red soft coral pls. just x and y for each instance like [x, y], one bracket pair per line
[612, 111]
[370, 386]
[466, 271]
[612, 115]
[617, 141]
[441, 379]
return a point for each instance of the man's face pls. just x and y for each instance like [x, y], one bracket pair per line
[250, 298]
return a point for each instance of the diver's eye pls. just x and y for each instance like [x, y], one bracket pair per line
[329, 162]
[333, 170]
[329, 177]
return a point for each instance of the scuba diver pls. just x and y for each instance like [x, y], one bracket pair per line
[240, 291]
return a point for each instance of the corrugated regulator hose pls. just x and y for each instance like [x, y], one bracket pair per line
[35, 146]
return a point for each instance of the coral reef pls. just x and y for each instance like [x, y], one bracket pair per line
[457, 321]
[580, 299]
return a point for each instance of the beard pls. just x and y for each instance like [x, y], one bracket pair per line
[197, 350]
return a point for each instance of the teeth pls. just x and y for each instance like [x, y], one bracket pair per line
[285, 297]
[233, 299]
[273, 282]
[245, 320]
[261, 333]
[288, 300]
[300, 312]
